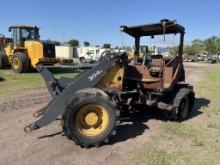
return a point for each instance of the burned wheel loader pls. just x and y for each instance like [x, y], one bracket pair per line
[90, 103]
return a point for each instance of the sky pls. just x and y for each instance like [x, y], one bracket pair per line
[98, 21]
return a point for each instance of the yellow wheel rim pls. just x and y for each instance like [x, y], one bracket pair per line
[16, 63]
[91, 119]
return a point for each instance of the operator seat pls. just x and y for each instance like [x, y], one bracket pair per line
[157, 65]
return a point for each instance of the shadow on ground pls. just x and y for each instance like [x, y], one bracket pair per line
[199, 104]
[51, 135]
[2, 79]
[134, 124]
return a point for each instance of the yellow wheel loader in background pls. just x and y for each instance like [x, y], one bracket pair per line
[26, 50]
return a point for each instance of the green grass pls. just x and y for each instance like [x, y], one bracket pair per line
[185, 131]
[14, 84]
[210, 89]
[180, 129]
[156, 156]
[191, 142]
[213, 125]
[196, 141]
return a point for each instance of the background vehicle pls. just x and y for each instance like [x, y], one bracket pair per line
[212, 59]
[87, 54]
[90, 54]
[26, 50]
[192, 58]
[3, 43]
[90, 103]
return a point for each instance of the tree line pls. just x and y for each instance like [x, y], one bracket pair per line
[197, 47]
[208, 46]
[74, 42]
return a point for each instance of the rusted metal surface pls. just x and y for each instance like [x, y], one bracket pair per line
[168, 76]
[164, 106]
[154, 29]
[161, 74]
[139, 74]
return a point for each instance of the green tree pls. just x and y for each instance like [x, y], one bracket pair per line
[191, 50]
[57, 43]
[212, 45]
[73, 42]
[86, 43]
[198, 45]
[54, 42]
[195, 48]
[174, 50]
[209, 46]
[197, 41]
[218, 47]
[106, 46]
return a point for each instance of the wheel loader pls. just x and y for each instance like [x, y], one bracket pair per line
[26, 50]
[90, 104]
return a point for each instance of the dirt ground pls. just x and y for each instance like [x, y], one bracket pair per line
[48, 146]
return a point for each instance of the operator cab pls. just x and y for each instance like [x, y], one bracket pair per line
[22, 33]
[152, 70]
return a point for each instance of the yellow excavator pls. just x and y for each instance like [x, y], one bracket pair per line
[26, 50]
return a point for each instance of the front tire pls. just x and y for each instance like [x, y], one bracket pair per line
[90, 119]
[20, 63]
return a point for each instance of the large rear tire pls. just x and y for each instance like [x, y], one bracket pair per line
[184, 102]
[91, 118]
[3, 61]
[20, 62]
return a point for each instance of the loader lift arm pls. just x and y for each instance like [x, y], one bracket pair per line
[62, 89]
